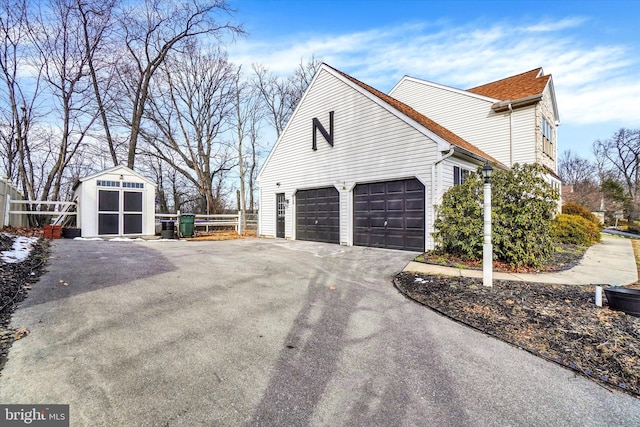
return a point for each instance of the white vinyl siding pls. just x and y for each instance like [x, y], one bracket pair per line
[524, 135]
[465, 114]
[370, 144]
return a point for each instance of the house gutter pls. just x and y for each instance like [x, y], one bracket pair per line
[510, 106]
[435, 185]
[522, 102]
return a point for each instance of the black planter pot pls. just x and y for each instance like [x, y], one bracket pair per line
[624, 299]
[71, 233]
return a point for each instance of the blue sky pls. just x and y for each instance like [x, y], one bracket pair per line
[592, 48]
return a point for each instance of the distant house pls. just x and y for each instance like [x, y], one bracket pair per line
[356, 166]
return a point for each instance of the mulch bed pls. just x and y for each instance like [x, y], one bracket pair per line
[560, 323]
[15, 281]
[223, 234]
[564, 257]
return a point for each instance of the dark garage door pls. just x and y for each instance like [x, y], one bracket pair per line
[389, 215]
[318, 215]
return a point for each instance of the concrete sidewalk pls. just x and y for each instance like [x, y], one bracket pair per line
[609, 262]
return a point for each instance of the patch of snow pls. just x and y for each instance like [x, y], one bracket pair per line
[126, 239]
[87, 238]
[21, 249]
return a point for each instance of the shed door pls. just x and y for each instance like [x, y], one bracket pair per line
[132, 212]
[119, 212]
[389, 215]
[108, 212]
[318, 215]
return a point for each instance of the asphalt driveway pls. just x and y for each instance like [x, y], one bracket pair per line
[273, 333]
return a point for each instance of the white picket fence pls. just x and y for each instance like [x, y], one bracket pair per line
[9, 193]
[60, 212]
[214, 221]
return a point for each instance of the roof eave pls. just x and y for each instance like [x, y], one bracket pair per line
[501, 106]
[479, 158]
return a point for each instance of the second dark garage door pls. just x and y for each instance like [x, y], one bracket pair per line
[389, 215]
[318, 215]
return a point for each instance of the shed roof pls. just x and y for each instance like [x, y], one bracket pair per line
[520, 86]
[117, 170]
[423, 120]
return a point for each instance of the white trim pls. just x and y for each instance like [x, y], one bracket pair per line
[443, 87]
[441, 142]
[114, 170]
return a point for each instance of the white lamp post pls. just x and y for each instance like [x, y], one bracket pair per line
[487, 247]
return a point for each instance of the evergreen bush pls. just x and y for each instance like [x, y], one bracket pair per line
[523, 203]
[572, 208]
[574, 229]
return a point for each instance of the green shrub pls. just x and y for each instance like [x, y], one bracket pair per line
[633, 229]
[574, 229]
[572, 208]
[523, 203]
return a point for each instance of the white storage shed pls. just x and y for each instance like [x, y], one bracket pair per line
[116, 202]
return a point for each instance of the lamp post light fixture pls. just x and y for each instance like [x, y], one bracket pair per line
[487, 247]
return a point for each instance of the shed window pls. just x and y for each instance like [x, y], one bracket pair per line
[459, 175]
[102, 183]
[133, 185]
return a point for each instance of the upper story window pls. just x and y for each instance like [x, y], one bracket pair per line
[548, 131]
[459, 175]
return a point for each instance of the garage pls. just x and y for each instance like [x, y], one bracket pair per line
[390, 215]
[318, 215]
[355, 166]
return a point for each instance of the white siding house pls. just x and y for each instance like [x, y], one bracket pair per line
[116, 202]
[503, 118]
[356, 167]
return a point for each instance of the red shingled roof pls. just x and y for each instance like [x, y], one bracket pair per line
[434, 127]
[515, 87]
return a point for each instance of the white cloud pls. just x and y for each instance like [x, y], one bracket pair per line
[595, 83]
[550, 26]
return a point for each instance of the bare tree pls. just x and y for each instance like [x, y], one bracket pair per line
[22, 80]
[574, 169]
[281, 95]
[247, 116]
[620, 157]
[57, 34]
[190, 113]
[151, 31]
[96, 23]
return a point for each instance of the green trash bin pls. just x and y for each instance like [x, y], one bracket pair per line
[186, 225]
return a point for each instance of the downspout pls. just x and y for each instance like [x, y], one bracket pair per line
[510, 134]
[435, 186]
